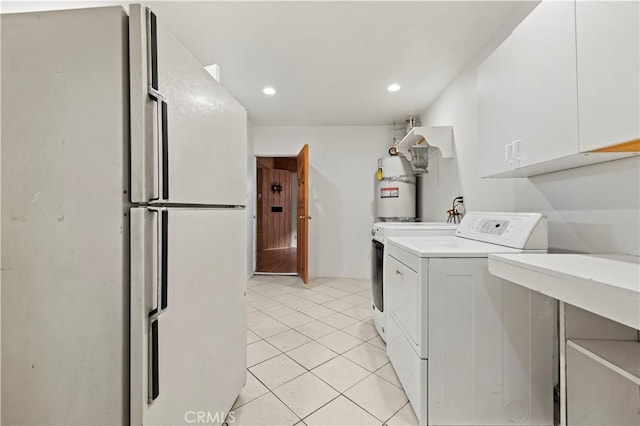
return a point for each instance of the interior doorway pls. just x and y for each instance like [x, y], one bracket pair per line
[276, 233]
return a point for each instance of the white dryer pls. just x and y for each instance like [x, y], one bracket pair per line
[470, 348]
[380, 232]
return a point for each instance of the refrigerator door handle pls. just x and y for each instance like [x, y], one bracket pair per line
[154, 310]
[160, 152]
[164, 260]
[152, 56]
[154, 365]
[160, 287]
[164, 147]
[161, 166]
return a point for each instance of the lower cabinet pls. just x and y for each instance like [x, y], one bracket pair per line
[603, 387]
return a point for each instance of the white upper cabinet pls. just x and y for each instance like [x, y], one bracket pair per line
[528, 91]
[564, 83]
[608, 72]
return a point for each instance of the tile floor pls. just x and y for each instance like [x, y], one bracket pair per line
[315, 358]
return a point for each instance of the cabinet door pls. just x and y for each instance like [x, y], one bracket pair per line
[596, 395]
[608, 36]
[401, 286]
[528, 92]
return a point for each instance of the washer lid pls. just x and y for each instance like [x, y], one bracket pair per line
[448, 247]
[383, 230]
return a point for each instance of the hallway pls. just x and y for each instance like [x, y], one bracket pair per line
[277, 260]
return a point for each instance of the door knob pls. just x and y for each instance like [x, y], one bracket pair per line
[303, 217]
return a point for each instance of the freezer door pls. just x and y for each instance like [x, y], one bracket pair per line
[188, 334]
[188, 134]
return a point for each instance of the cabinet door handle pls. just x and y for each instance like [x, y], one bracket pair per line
[508, 152]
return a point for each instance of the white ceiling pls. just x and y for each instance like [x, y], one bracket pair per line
[331, 62]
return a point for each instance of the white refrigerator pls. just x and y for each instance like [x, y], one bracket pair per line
[123, 225]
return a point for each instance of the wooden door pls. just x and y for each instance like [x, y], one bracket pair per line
[274, 209]
[303, 214]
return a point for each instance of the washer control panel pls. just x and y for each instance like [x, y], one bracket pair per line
[517, 230]
[492, 226]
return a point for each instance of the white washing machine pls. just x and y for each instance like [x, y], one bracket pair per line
[380, 232]
[470, 348]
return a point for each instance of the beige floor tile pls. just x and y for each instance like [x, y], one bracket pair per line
[331, 291]
[351, 288]
[363, 330]
[404, 417]
[271, 293]
[315, 329]
[305, 394]
[317, 281]
[337, 282]
[316, 297]
[339, 341]
[256, 317]
[389, 374]
[377, 396]
[296, 319]
[362, 312]
[252, 337]
[288, 340]
[318, 311]
[252, 296]
[370, 321]
[266, 410]
[261, 286]
[268, 327]
[339, 320]
[277, 371]
[251, 390]
[357, 300]
[347, 284]
[367, 356]
[338, 305]
[340, 373]
[279, 311]
[260, 351]
[311, 355]
[264, 304]
[378, 342]
[341, 412]
[302, 304]
[250, 309]
[287, 298]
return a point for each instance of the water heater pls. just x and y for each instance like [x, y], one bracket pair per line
[395, 190]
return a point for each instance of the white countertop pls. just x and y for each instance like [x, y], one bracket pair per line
[607, 285]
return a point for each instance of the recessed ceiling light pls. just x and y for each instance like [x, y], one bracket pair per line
[393, 87]
[269, 91]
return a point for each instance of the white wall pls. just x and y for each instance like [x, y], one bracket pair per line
[593, 209]
[342, 162]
